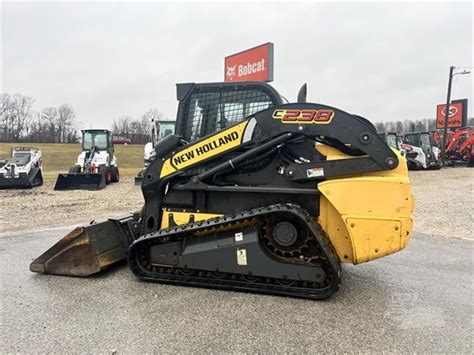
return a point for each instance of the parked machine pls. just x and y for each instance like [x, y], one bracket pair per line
[252, 194]
[23, 170]
[159, 129]
[459, 146]
[421, 151]
[95, 167]
[392, 139]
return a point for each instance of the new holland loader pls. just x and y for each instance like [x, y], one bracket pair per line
[253, 194]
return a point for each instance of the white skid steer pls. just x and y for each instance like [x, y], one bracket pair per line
[23, 170]
[95, 167]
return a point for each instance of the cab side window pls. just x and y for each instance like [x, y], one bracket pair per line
[215, 109]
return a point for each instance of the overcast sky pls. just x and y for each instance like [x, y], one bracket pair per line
[382, 61]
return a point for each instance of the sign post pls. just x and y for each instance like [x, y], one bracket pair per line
[252, 64]
[446, 117]
[448, 110]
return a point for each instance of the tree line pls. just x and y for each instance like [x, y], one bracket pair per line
[401, 127]
[19, 122]
[138, 130]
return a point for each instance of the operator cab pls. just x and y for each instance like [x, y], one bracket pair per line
[165, 128]
[99, 138]
[21, 158]
[207, 108]
[425, 141]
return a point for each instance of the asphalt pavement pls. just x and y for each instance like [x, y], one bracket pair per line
[418, 300]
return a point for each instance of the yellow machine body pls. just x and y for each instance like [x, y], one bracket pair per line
[366, 217]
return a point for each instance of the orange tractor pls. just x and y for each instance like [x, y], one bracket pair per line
[459, 145]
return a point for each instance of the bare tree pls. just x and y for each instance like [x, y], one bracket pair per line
[23, 111]
[408, 126]
[38, 129]
[380, 127]
[15, 111]
[18, 121]
[65, 121]
[391, 126]
[121, 126]
[50, 115]
[399, 127]
[4, 107]
[4, 103]
[420, 126]
[29, 124]
[430, 124]
[139, 130]
[154, 114]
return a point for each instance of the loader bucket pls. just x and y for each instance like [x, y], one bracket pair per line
[139, 178]
[80, 182]
[15, 183]
[138, 181]
[85, 250]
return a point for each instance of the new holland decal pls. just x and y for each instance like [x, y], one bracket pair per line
[223, 141]
[202, 149]
[303, 116]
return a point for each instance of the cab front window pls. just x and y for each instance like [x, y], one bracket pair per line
[95, 139]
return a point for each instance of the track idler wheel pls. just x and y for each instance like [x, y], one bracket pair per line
[286, 236]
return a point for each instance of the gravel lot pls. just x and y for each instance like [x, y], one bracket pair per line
[40, 207]
[444, 201]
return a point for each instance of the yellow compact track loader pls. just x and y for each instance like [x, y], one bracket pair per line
[254, 194]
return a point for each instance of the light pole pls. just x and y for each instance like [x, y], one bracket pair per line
[446, 112]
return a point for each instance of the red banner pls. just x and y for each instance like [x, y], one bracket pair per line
[252, 64]
[455, 117]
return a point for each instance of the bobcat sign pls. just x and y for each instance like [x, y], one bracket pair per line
[252, 64]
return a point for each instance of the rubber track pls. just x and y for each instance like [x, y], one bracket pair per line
[327, 257]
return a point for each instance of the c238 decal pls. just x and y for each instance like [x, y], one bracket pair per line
[303, 116]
